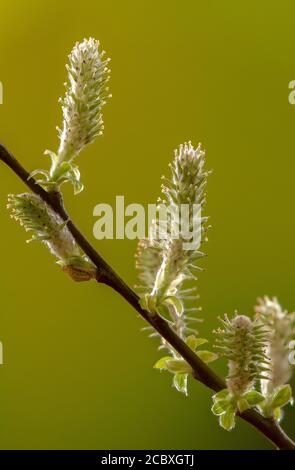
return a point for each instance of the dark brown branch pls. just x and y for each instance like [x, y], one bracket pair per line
[107, 275]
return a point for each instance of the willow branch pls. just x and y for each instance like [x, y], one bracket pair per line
[106, 275]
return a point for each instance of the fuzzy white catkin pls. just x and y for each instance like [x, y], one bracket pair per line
[86, 94]
[280, 326]
[187, 186]
[164, 262]
[44, 224]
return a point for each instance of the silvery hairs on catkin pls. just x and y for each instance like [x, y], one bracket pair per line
[164, 263]
[169, 259]
[281, 329]
[46, 226]
[86, 94]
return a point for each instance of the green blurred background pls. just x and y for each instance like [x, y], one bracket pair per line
[78, 371]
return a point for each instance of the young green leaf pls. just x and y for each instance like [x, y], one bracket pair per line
[161, 363]
[222, 395]
[253, 397]
[278, 414]
[180, 382]
[227, 419]
[178, 366]
[242, 405]
[175, 304]
[207, 356]
[193, 342]
[282, 397]
[219, 407]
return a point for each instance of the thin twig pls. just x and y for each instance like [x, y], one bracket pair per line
[106, 275]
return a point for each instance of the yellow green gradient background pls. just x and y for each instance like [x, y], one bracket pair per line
[78, 371]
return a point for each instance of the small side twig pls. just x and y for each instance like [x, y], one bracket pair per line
[106, 275]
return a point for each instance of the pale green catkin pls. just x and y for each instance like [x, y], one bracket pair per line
[165, 264]
[243, 342]
[86, 94]
[45, 225]
[281, 330]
